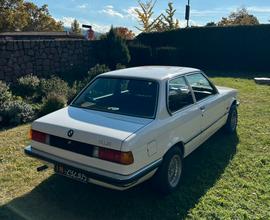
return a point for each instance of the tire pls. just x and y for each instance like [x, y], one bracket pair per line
[169, 173]
[232, 120]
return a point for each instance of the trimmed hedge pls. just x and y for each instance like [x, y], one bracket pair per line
[140, 55]
[167, 56]
[218, 48]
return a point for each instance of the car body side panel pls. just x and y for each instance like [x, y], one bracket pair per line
[183, 127]
[187, 126]
[215, 109]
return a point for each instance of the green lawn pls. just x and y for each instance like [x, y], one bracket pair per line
[226, 178]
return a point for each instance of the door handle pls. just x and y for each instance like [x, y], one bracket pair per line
[202, 108]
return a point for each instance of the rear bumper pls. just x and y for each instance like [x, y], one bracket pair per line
[99, 176]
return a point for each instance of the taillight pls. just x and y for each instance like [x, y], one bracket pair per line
[39, 136]
[125, 158]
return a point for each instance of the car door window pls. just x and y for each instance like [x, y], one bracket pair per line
[179, 94]
[200, 85]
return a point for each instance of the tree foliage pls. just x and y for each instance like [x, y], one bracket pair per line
[163, 22]
[211, 24]
[26, 16]
[114, 50]
[75, 27]
[240, 17]
[124, 33]
[145, 16]
[168, 22]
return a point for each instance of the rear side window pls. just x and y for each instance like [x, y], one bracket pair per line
[200, 85]
[179, 94]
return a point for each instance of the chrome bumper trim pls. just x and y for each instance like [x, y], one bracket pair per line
[98, 174]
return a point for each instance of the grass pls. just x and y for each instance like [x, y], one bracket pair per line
[228, 177]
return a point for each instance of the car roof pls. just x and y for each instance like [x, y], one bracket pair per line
[151, 72]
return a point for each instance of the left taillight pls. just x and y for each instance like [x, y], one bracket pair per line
[125, 158]
[39, 136]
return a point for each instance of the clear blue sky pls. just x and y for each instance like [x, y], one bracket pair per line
[104, 13]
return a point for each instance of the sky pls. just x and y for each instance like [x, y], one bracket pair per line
[101, 14]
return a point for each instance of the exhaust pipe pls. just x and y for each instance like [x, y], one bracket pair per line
[42, 168]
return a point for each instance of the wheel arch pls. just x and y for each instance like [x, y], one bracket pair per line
[234, 102]
[179, 145]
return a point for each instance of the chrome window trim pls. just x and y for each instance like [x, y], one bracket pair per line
[167, 95]
[210, 82]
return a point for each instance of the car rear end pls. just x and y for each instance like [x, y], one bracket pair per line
[85, 144]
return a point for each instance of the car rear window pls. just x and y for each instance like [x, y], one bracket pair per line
[134, 97]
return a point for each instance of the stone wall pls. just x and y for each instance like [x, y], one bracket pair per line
[44, 57]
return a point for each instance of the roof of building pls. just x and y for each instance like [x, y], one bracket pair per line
[40, 35]
[151, 72]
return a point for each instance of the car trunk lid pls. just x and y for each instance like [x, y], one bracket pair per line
[91, 127]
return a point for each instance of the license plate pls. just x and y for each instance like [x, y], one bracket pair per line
[72, 173]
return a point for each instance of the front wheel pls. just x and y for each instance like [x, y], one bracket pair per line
[232, 120]
[169, 173]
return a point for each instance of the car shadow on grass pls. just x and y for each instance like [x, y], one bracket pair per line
[61, 198]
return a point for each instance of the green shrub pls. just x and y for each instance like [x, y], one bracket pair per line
[13, 112]
[112, 49]
[52, 103]
[97, 70]
[27, 86]
[5, 93]
[54, 85]
[72, 91]
[76, 72]
[119, 66]
[16, 112]
[92, 73]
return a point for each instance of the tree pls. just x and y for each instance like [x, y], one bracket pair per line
[145, 16]
[75, 27]
[113, 50]
[240, 17]
[39, 19]
[163, 22]
[124, 33]
[211, 24]
[26, 16]
[12, 16]
[168, 22]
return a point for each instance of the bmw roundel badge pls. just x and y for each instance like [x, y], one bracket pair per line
[70, 133]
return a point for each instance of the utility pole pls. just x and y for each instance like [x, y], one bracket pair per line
[187, 13]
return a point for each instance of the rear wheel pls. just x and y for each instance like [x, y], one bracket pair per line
[232, 120]
[169, 173]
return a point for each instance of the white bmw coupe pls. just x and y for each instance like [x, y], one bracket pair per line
[129, 125]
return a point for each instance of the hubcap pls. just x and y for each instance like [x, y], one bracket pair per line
[174, 170]
[233, 120]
